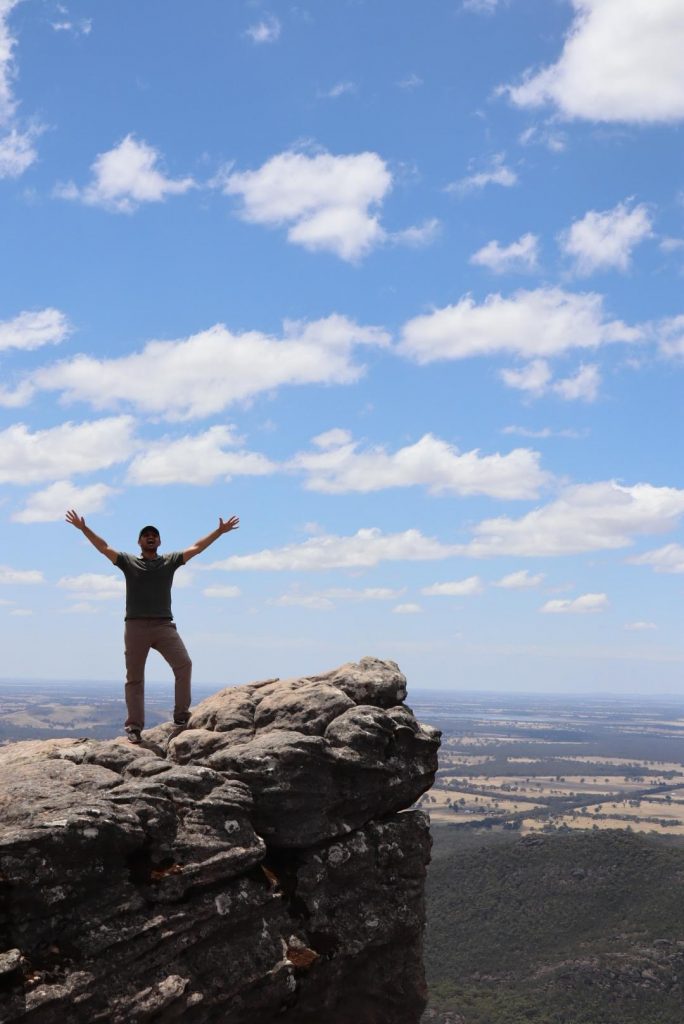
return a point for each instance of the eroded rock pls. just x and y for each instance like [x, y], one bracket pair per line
[251, 868]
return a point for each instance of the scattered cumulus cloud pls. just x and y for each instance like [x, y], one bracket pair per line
[604, 241]
[29, 457]
[222, 592]
[640, 626]
[265, 31]
[418, 236]
[202, 375]
[600, 516]
[362, 550]
[576, 606]
[455, 588]
[543, 432]
[17, 150]
[328, 203]
[621, 62]
[48, 506]
[523, 579]
[340, 467]
[339, 89]
[669, 559]
[19, 576]
[544, 322]
[536, 379]
[198, 459]
[407, 609]
[522, 255]
[92, 586]
[325, 600]
[34, 329]
[480, 6]
[670, 336]
[124, 177]
[496, 173]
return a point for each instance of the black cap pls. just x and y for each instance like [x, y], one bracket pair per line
[148, 529]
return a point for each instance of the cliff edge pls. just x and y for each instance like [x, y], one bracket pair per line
[252, 868]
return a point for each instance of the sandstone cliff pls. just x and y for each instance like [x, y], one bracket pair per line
[252, 868]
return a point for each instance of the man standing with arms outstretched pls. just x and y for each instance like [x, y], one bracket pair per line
[149, 622]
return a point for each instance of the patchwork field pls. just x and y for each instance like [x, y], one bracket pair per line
[535, 764]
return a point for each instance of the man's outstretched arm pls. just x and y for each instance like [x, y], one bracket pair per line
[200, 545]
[102, 546]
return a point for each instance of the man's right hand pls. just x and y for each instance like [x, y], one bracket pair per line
[73, 517]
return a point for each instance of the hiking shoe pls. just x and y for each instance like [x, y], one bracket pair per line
[182, 718]
[132, 733]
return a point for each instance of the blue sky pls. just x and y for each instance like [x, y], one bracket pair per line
[400, 285]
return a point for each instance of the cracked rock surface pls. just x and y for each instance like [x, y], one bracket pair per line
[258, 866]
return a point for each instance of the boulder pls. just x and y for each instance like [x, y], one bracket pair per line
[259, 865]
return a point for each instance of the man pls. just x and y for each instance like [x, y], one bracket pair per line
[149, 622]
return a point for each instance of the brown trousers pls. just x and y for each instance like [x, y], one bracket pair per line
[141, 636]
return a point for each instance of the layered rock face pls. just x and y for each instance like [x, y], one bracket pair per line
[251, 868]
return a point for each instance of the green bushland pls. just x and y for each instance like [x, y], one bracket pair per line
[556, 929]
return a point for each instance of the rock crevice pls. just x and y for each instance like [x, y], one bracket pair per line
[259, 865]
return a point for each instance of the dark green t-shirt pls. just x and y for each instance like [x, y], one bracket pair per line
[148, 584]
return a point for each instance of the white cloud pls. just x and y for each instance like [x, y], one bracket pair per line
[455, 588]
[222, 592]
[521, 580]
[366, 548]
[536, 378]
[82, 27]
[522, 255]
[480, 6]
[407, 609]
[577, 606]
[586, 517]
[418, 236]
[31, 330]
[326, 599]
[622, 61]
[543, 432]
[670, 333]
[203, 374]
[21, 611]
[31, 457]
[669, 558]
[49, 505]
[324, 200]
[430, 462]
[17, 151]
[496, 174]
[544, 322]
[339, 89]
[91, 586]
[124, 177]
[265, 31]
[639, 627]
[605, 240]
[583, 386]
[19, 576]
[317, 602]
[197, 459]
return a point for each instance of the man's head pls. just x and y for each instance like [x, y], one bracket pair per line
[149, 540]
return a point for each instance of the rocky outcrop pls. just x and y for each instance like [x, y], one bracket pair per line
[259, 865]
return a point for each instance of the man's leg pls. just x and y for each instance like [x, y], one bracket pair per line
[137, 636]
[173, 650]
